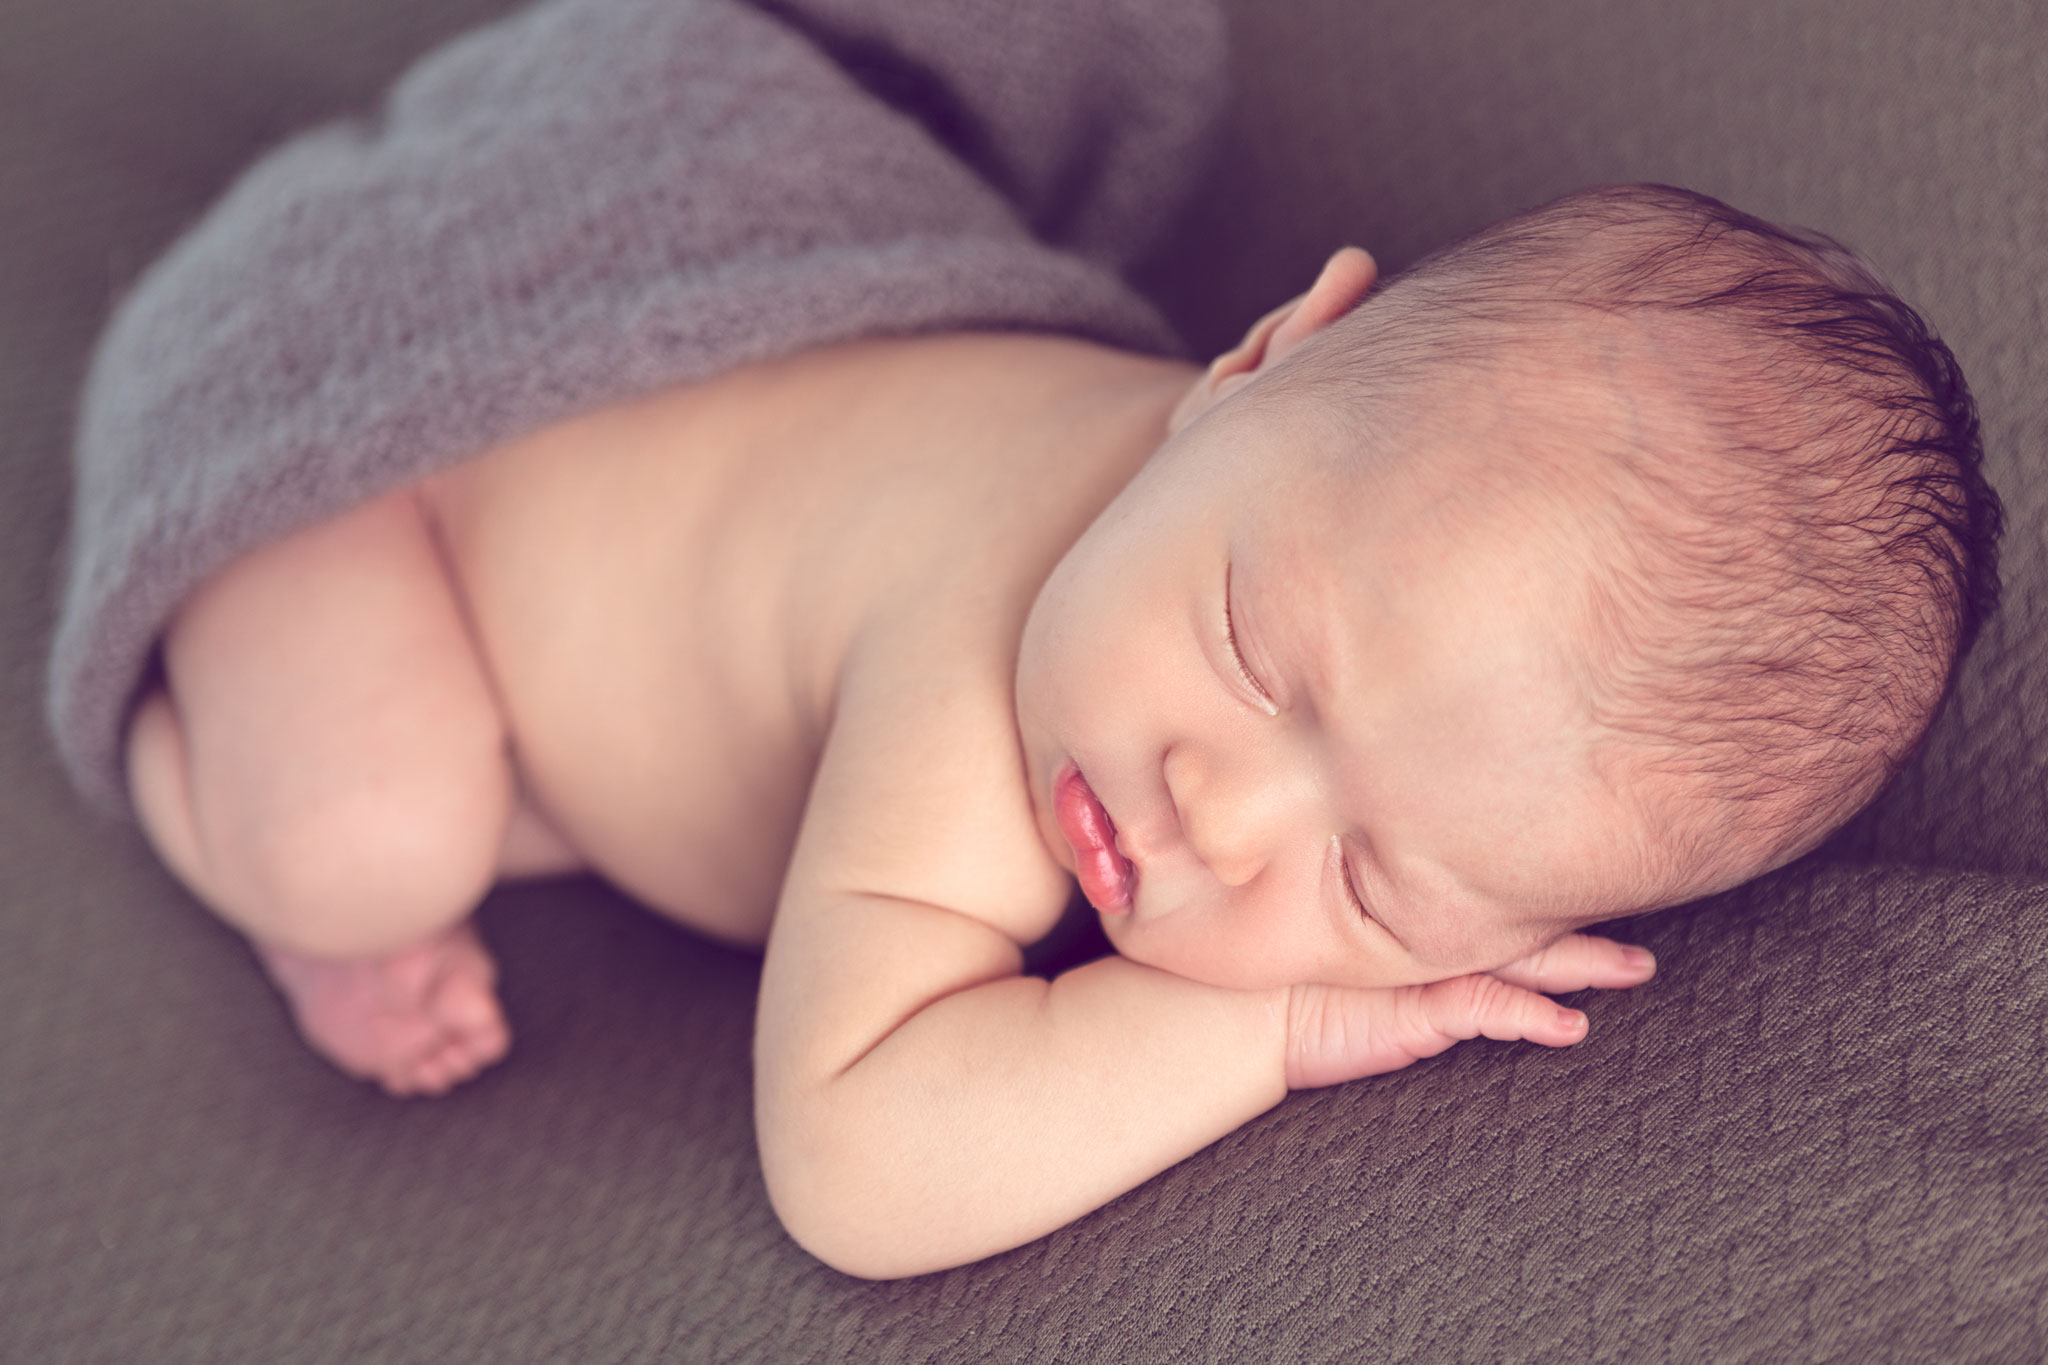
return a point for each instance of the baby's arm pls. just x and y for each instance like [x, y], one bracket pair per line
[920, 1104]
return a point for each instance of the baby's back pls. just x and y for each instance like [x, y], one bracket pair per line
[665, 591]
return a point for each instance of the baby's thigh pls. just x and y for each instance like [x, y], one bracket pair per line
[329, 693]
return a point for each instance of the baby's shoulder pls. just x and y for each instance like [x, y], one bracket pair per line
[923, 792]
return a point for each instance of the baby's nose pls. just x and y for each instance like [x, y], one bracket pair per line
[1229, 821]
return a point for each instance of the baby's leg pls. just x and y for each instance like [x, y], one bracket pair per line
[327, 768]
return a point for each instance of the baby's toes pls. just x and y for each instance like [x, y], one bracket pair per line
[380, 1047]
[466, 1033]
[405, 1065]
[436, 1066]
[416, 1022]
[471, 1018]
[486, 1045]
[437, 1072]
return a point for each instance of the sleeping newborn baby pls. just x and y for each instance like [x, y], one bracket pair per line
[1604, 560]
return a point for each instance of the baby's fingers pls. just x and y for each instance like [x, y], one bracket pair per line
[1337, 1035]
[1580, 962]
[1483, 1006]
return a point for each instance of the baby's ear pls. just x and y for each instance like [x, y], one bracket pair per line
[1344, 280]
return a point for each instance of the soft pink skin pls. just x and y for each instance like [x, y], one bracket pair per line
[1119, 676]
[1407, 727]
[1336, 1034]
[417, 1022]
[1406, 604]
[1123, 677]
[1420, 739]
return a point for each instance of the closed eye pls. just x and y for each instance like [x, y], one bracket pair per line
[1265, 699]
[1347, 877]
[1351, 889]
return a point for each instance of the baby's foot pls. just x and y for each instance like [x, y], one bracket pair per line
[417, 1021]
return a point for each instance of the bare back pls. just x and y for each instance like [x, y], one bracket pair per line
[666, 593]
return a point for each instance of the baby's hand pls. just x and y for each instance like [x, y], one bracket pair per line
[1339, 1033]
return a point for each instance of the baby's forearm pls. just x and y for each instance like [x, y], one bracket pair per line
[997, 1113]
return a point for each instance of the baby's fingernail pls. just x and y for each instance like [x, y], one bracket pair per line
[1570, 1019]
[1638, 957]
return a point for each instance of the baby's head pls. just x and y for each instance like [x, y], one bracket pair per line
[1605, 559]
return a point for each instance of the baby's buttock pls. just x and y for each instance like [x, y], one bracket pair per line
[616, 589]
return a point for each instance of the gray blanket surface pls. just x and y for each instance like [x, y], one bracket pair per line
[583, 203]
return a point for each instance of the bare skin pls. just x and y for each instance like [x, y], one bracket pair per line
[790, 656]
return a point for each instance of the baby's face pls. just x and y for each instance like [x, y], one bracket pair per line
[1385, 778]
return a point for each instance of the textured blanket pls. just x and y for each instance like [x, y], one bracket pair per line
[585, 202]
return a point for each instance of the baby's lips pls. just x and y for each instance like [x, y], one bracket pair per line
[1105, 875]
[1123, 889]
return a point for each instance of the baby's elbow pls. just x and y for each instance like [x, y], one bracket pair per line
[852, 1250]
[835, 1215]
[858, 1192]
[872, 1192]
